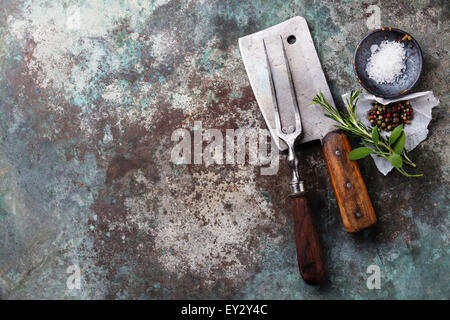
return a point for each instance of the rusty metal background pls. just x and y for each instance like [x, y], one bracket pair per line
[90, 94]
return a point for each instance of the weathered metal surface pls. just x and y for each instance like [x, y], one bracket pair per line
[87, 112]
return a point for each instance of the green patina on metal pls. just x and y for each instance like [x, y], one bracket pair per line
[90, 93]
[3, 208]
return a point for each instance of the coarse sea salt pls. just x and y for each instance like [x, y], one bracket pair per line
[387, 61]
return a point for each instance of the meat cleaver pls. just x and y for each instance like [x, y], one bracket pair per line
[307, 78]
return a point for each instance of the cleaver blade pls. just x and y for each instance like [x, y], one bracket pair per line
[307, 76]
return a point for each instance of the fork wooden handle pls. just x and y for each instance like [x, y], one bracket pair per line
[311, 262]
[351, 193]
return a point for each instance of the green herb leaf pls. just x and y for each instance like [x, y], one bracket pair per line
[392, 148]
[375, 135]
[395, 134]
[359, 153]
[400, 144]
[395, 160]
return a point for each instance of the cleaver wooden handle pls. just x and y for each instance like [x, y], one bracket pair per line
[311, 262]
[351, 192]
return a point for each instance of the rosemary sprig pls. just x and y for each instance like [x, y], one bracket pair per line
[391, 149]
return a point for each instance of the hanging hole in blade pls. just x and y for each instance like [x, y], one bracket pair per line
[291, 39]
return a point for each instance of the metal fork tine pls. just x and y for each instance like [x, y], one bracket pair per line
[274, 94]
[298, 123]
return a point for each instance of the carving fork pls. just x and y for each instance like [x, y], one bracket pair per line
[311, 261]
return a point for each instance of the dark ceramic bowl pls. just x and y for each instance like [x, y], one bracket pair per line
[404, 82]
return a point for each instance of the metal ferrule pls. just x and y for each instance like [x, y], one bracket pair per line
[297, 186]
[297, 189]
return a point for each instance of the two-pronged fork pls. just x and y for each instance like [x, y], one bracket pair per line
[309, 251]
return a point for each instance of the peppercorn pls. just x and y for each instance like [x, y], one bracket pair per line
[387, 117]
